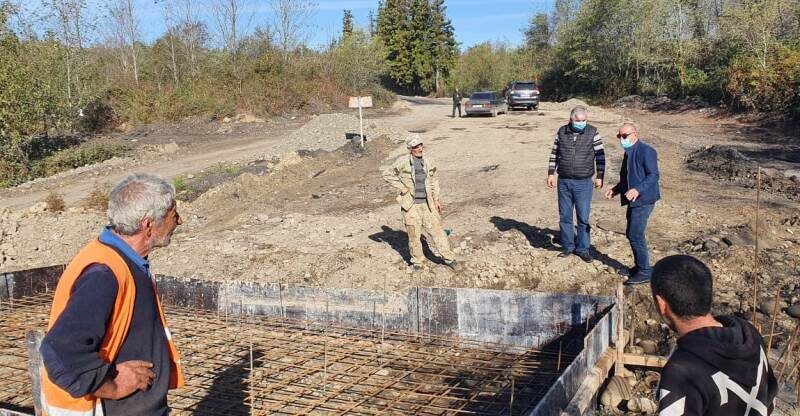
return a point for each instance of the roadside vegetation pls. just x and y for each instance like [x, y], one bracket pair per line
[744, 55]
[69, 71]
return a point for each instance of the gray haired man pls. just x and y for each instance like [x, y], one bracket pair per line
[108, 349]
[577, 149]
[416, 177]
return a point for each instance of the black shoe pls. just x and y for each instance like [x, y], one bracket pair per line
[453, 264]
[585, 256]
[638, 279]
[564, 254]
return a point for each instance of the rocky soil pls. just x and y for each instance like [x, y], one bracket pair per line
[305, 206]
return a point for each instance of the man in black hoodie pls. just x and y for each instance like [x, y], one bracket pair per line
[719, 367]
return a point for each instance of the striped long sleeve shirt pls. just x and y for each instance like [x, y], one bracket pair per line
[597, 146]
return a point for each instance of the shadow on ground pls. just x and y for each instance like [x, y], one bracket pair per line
[398, 241]
[545, 238]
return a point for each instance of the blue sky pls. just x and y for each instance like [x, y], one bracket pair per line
[475, 21]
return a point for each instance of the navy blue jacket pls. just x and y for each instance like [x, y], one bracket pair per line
[639, 171]
[70, 348]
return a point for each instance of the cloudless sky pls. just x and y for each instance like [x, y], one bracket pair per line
[475, 21]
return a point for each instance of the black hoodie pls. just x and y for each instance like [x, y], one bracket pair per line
[718, 372]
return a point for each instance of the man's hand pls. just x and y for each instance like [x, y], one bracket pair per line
[609, 194]
[632, 194]
[551, 181]
[131, 376]
[598, 183]
[439, 207]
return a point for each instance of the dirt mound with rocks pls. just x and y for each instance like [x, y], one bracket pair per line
[731, 165]
[327, 132]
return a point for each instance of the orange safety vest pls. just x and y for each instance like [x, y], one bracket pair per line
[57, 401]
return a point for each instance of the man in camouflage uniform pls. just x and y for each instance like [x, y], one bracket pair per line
[417, 178]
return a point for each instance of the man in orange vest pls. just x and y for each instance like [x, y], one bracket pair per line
[108, 350]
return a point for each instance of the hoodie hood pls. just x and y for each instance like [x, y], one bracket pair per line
[734, 348]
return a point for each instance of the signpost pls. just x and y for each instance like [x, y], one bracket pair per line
[360, 102]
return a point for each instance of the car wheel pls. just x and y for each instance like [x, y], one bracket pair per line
[536, 107]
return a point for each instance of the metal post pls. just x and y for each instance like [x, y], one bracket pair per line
[360, 123]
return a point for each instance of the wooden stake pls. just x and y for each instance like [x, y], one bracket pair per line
[558, 366]
[250, 376]
[755, 256]
[774, 317]
[325, 368]
[633, 318]
[620, 343]
[511, 403]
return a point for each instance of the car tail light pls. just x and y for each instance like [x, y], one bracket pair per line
[535, 91]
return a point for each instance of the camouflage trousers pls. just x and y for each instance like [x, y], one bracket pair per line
[420, 218]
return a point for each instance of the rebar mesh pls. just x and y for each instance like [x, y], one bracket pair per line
[246, 365]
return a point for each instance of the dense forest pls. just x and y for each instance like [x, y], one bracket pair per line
[66, 70]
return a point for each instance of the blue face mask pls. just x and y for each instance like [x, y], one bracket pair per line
[625, 143]
[578, 125]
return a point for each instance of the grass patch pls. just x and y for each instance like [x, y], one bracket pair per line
[179, 183]
[98, 197]
[84, 154]
[190, 188]
[55, 202]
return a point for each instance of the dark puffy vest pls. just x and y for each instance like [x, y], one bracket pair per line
[575, 156]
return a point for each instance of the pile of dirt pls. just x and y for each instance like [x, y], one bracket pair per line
[663, 103]
[729, 164]
[37, 239]
[327, 132]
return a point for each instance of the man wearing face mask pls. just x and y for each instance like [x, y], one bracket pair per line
[639, 190]
[719, 366]
[579, 159]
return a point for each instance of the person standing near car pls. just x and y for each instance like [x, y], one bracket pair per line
[579, 160]
[456, 102]
[639, 190]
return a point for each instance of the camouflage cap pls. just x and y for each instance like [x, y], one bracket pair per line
[413, 140]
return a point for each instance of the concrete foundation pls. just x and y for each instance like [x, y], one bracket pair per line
[573, 329]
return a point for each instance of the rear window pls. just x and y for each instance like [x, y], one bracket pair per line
[481, 96]
[525, 86]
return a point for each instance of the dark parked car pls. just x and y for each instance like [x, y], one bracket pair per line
[486, 102]
[522, 94]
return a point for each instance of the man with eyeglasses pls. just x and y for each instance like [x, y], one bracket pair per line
[577, 149]
[416, 177]
[639, 190]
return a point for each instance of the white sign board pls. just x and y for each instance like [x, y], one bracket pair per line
[366, 102]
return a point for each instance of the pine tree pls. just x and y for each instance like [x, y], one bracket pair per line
[445, 50]
[420, 43]
[347, 23]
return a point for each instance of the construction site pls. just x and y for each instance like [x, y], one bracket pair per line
[288, 288]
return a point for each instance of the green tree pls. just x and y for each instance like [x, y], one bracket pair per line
[420, 43]
[347, 23]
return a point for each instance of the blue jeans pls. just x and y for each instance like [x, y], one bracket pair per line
[637, 225]
[574, 195]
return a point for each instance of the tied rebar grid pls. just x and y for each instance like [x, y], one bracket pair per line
[254, 365]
